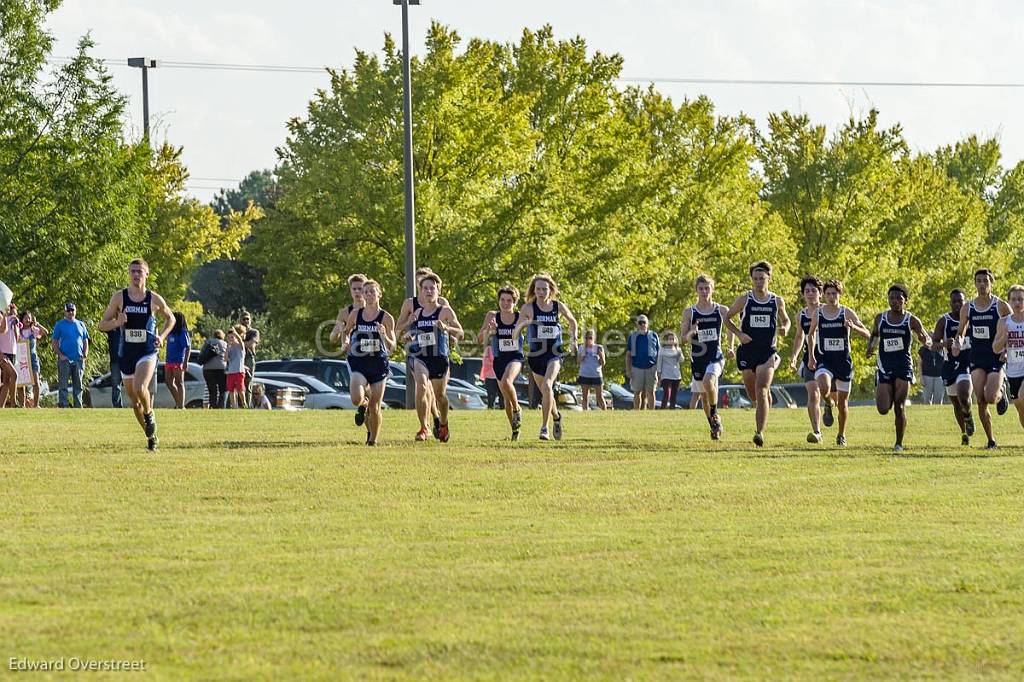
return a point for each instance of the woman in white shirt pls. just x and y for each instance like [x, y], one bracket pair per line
[669, 359]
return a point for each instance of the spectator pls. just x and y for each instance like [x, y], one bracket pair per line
[251, 338]
[260, 401]
[8, 373]
[213, 358]
[236, 367]
[32, 332]
[591, 378]
[179, 347]
[490, 380]
[641, 363]
[113, 353]
[71, 343]
[669, 359]
[933, 391]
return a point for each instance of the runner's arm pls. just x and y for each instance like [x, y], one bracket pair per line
[160, 305]
[1002, 333]
[922, 335]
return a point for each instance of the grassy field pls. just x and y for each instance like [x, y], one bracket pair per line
[270, 546]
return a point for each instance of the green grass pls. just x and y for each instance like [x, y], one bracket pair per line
[269, 546]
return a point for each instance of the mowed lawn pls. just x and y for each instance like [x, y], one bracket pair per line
[270, 545]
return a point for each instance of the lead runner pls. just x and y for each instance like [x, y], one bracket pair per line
[133, 311]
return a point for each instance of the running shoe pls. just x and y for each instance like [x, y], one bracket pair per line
[814, 437]
[152, 442]
[1004, 402]
[517, 420]
[437, 428]
[443, 434]
[991, 445]
[897, 448]
[558, 426]
[969, 423]
[716, 427]
[360, 415]
[422, 434]
[827, 418]
[841, 440]
[965, 439]
[758, 439]
[544, 433]
[515, 435]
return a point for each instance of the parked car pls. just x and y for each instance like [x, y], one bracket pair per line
[735, 395]
[798, 392]
[97, 393]
[284, 395]
[462, 395]
[622, 397]
[469, 370]
[331, 371]
[320, 396]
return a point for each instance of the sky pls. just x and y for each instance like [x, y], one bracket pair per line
[231, 122]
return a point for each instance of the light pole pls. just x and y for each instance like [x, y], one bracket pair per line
[144, 64]
[410, 202]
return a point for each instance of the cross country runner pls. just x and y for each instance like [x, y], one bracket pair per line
[432, 325]
[762, 318]
[405, 317]
[702, 327]
[370, 335]
[956, 369]
[830, 354]
[892, 334]
[542, 317]
[1010, 338]
[133, 310]
[979, 319]
[499, 327]
[810, 289]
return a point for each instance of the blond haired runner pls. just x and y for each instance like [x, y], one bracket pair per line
[702, 329]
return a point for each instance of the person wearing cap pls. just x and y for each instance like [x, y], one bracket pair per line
[642, 363]
[70, 340]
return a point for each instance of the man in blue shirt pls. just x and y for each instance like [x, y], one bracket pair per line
[641, 363]
[71, 343]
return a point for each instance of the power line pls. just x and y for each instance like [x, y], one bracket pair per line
[277, 68]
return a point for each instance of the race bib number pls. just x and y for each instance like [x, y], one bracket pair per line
[707, 335]
[980, 332]
[893, 345]
[547, 332]
[761, 321]
[369, 346]
[837, 344]
[1015, 355]
[507, 345]
[424, 340]
[135, 335]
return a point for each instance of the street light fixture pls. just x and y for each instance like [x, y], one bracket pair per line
[144, 64]
[410, 203]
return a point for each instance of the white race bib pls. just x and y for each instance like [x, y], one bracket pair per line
[548, 332]
[1015, 355]
[761, 321]
[135, 335]
[980, 332]
[369, 346]
[707, 335]
[508, 345]
[427, 339]
[835, 344]
[893, 345]
[966, 345]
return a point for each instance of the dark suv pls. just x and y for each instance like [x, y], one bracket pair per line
[331, 371]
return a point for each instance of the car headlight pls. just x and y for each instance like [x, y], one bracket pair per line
[463, 398]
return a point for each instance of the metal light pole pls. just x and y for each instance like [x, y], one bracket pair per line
[410, 201]
[144, 64]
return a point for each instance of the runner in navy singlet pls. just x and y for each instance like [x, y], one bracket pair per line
[956, 370]
[830, 354]
[702, 327]
[369, 334]
[892, 335]
[541, 316]
[763, 318]
[432, 325]
[133, 310]
[405, 318]
[507, 347]
[810, 289]
[355, 289]
[978, 320]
